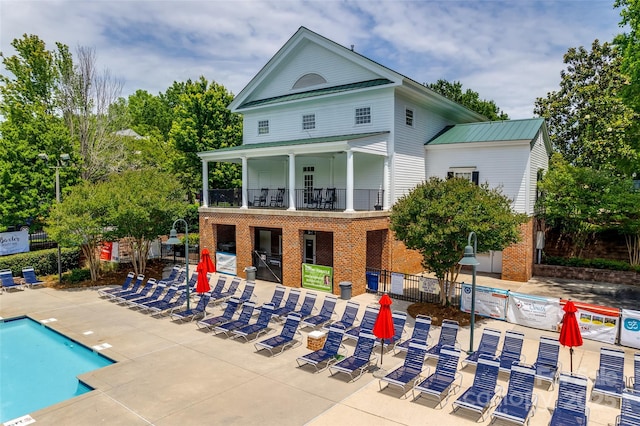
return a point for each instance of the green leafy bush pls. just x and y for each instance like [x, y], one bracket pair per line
[45, 262]
[76, 276]
[614, 265]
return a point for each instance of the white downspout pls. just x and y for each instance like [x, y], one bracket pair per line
[292, 181]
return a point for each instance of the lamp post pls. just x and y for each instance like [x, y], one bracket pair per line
[469, 259]
[60, 163]
[173, 239]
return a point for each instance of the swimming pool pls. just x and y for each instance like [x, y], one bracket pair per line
[39, 367]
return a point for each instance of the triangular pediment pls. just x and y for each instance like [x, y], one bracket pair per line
[310, 63]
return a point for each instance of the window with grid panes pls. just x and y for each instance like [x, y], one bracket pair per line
[263, 127]
[308, 122]
[363, 115]
[408, 117]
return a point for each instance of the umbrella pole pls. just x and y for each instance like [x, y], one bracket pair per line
[381, 351]
[571, 356]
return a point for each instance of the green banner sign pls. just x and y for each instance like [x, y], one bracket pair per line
[317, 277]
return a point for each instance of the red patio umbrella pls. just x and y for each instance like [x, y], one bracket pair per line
[202, 286]
[383, 327]
[205, 259]
[570, 331]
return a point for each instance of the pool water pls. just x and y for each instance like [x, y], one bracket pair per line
[39, 367]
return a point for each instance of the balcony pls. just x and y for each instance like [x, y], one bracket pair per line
[317, 199]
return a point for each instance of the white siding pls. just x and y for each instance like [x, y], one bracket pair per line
[499, 165]
[311, 59]
[334, 116]
[539, 160]
[409, 163]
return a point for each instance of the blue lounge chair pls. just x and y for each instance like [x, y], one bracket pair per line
[547, 365]
[448, 336]
[143, 291]
[246, 313]
[199, 311]
[409, 372]
[193, 281]
[571, 405]
[488, 346]
[30, 279]
[399, 321]
[132, 290]
[629, 409]
[172, 275]
[366, 325]
[162, 308]
[144, 306]
[420, 334]
[520, 402]
[286, 339]
[329, 352]
[610, 379]
[634, 381]
[348, 316]
[325, 315]
[227, 315]
[231, 291]
[6, 279]
[216, 291]
[158, 291]
[442, 382]
[174, 279]
[258, 328]
[362, 358]
[307, 305]
[247, 292]
[125, 286]
[276, 298]
[511, 350]
[289, 305]
[482, 393]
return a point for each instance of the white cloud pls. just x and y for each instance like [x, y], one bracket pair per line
[510, 52]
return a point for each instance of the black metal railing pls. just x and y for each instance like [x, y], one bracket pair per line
[327, 199]
[379, 281]
[40, 241]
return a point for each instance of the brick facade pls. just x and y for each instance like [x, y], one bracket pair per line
[517, 259]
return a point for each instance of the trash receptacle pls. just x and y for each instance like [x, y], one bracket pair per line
[345, 290]
[372, 281]
[251, 273]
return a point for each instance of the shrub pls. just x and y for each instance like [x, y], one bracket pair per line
[76, 276]
[45, 262]
[614, 265]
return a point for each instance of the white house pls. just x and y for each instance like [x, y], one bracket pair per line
[331, 140]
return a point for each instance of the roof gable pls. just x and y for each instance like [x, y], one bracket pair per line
[309, 53]
[491, 131]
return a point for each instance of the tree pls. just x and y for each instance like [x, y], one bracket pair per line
[588, 122]
[79, 221]
[30, 126]
[621, 203]
[436, 217]
[202, 122]
[143, 205]
[628, 44]
[468, 98]
[86, 97]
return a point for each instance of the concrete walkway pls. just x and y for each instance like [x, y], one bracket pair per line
[173, 374]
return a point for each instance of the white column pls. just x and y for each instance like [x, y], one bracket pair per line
[292, 182]
[245, 182]
[385, 183]
[205, 183]
[349, 182]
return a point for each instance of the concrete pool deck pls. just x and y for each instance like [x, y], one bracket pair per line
[173, 374]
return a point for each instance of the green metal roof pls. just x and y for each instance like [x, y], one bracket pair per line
[317, 92]
[488, 131]
[350, 137]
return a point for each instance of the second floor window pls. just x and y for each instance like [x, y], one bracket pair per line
[308, 122]
[263, 127]
[363, 115]
[408, 117]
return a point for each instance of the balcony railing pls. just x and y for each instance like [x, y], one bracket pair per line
[322, 199]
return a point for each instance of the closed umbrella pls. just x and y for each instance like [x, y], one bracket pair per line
[383, 327]
[202, 285]
[205, 259]
[570, 332]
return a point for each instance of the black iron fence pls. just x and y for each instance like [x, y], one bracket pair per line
[40, 241]
[408, 287]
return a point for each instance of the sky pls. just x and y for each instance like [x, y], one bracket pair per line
[510, 52]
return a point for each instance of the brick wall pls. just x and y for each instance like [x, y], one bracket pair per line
[587, 274]
[517, 259]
